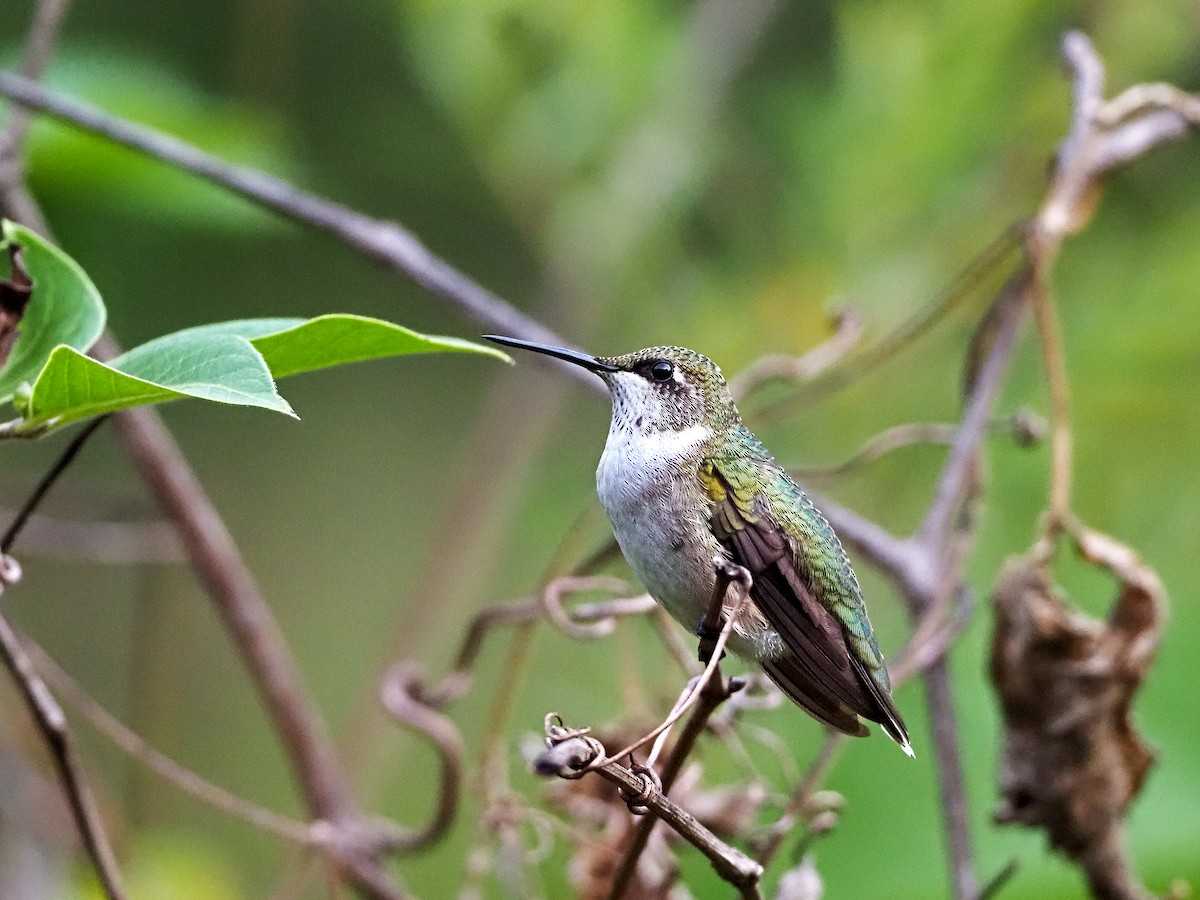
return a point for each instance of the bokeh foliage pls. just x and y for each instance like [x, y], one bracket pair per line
[717, 175]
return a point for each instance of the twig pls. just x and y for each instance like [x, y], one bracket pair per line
[1025, 427]
[162, 765]
[849, 327]
[571, 754]
[906, 334]
[768, 842]
[215, 558]
[934, 531]
[401, 695]
[100, 541]
[709, 692]
[939, 697]
[50, 721]
[710, 699]
[552, 597]
[999, 880]
[696, 686]
[586, 616]
[381, 240]
[1046, 316]
[880, 445]
[15, 198]
[47, 482]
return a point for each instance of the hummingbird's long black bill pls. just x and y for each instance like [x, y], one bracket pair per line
[571, 356]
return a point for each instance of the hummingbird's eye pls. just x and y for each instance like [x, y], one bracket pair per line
[662, 371]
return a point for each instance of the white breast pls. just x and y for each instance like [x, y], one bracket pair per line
[649, 488]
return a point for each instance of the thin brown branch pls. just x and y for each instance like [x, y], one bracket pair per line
[934, 532]
[48, 16]
[572, 753]
[552, 604]
[112, 543]
[849, 327]
[707, 693]
[162, 765]
[52, 724]
[716, 692]
[1045, 313]
[218, 563]
[956, 820]
[383, 241]
[582, 621]
[696, 686]
[768, 843]
[401, 694]
[965, 285]
[881, 445]
[47, 482]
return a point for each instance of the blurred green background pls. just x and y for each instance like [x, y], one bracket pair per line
[720, 175]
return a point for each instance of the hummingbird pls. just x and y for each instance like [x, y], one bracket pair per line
[686, 484]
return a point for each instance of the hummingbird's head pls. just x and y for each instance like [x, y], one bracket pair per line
[667, 389]
[656, 389]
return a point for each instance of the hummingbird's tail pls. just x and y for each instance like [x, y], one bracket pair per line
[794, 679]
[811, 696]
[886, 713]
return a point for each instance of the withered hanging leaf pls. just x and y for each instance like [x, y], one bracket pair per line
[1072, 761]
[14, 296]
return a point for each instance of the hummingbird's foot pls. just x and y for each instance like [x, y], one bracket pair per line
[714, 621]
[708, 635]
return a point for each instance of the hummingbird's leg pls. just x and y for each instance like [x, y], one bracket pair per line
[710, 626]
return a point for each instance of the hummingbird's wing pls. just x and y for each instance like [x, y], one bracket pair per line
[804, 587]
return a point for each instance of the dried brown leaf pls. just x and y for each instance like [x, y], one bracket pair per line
[14, 297]
[1072, 761]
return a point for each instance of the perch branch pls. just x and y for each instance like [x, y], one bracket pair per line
[571, 754]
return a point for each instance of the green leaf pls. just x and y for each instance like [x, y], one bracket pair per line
[291, 346]
[65, 308]
[210, 366]
[227, 362]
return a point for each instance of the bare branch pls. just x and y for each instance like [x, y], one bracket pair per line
[716, 692]
[105, 542]
[50, 721]
[571, 753]
[881, 445]
[934, 532]
[162, 765]
[552, 598]
[380, 240]
[230, 585]
[48, 16]
[696, 687]
[47, 482]
[849, 327]
[401, 694]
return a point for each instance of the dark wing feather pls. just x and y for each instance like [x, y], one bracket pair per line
[817, 662]
[818, 671]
